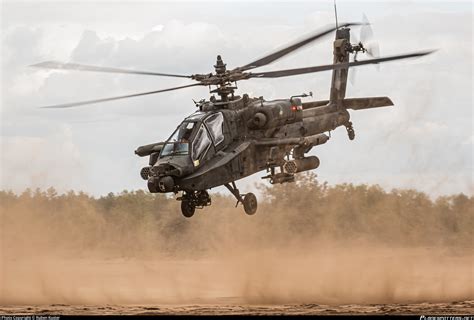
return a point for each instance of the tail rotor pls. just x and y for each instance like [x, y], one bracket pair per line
[368, 40]
[365, 43]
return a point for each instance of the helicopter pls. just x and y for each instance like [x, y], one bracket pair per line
[230, 137]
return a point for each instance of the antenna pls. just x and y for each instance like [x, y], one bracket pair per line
[335, 13]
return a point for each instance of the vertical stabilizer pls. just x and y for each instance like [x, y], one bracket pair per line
[339, 76]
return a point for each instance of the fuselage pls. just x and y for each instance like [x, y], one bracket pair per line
[217, 145]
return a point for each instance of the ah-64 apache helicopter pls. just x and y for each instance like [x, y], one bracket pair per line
[232, 137]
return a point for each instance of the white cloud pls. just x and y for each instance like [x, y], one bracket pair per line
[41, 162]
[429, 124]
[427, 128]
[158, 27]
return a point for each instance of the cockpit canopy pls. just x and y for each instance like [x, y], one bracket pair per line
[195, 136]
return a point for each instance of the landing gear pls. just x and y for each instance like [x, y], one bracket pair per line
[250, 203]
[192, 200]
[187, 208]
[350, 131]
[249, 200]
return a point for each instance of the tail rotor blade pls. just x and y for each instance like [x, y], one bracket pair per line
[366, 32]
[352, 76]
[373, 50]
[366, 37]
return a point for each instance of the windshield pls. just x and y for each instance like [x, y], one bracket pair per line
[178, 143]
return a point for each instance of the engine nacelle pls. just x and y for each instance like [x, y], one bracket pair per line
[274, 114]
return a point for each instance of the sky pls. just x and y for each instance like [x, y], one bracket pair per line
[424, 142]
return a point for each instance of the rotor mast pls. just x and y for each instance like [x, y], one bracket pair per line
[224, 87]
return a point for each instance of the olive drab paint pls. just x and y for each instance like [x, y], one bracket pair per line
[231, 137]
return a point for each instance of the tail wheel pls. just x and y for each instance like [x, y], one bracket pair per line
[250, 203]
[351, 134]
[187, 208]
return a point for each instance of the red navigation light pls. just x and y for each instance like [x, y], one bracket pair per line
[296, 108]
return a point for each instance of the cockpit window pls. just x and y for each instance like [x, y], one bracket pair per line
[178, 143]
[214, 124]
[201, 143]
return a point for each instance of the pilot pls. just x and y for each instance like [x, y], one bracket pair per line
[186, 135]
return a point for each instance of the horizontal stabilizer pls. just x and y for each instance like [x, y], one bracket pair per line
[367, 103]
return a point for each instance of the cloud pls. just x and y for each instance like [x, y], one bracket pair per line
[41, 162]
[425, 132]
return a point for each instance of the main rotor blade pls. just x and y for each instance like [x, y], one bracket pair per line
[82, 67]
[81, 103]
[282, 52]
[294, 72]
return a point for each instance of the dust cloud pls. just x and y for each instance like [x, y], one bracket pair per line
[308, 243]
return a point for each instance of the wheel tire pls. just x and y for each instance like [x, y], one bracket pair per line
[351, 134]
[250, 203]
[187, 209]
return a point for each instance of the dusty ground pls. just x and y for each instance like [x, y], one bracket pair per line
[400, 282]
[65, 256]
[464, 308]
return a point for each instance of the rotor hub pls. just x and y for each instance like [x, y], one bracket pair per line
[220, 66]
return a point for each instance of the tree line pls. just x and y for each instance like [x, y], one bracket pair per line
[132, 222]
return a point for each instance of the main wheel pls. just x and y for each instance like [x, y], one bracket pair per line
[187, 208]
[250, 203]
